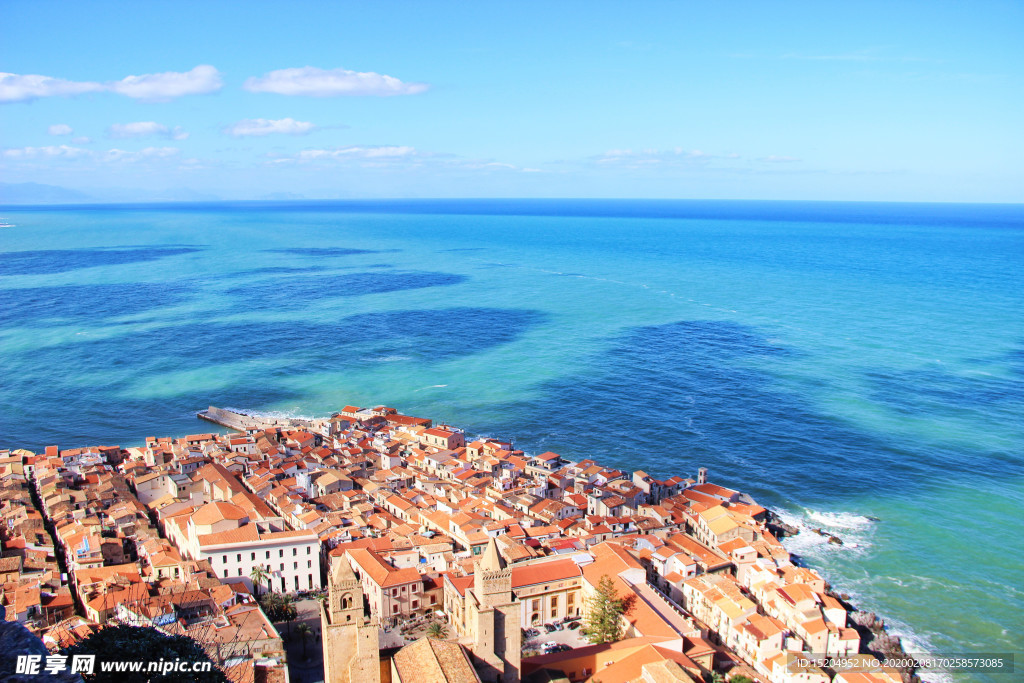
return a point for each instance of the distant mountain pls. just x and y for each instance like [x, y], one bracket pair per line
[130, 195]
[282, 196]
[36, 193]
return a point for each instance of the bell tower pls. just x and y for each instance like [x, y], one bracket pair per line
[350, 640]
[497, 643]
[345, 595]
[492, 578]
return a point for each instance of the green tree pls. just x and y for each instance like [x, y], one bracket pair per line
[278, 607]
[304, 632]
[290, 612]
[271, 604]
[740, 678]
[259, 576]
[437, 630]
[603, 622]
[143, 644]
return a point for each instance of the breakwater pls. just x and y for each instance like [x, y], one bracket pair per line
[243, 422]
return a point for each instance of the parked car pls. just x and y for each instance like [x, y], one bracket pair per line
[573, 625]
[550, 628]
[561, 647]
[558, 626]
[531, 633]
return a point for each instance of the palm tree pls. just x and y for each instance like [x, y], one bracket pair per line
[437, 630]
[259, 576]
[304, 632]
[288, 610]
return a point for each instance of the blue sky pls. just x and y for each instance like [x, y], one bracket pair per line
[892, 101]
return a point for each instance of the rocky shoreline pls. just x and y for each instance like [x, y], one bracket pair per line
[875, 637]
[781, 529]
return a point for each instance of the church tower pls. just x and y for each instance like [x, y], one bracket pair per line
[492, 579]
[497, 644]
[350, 639]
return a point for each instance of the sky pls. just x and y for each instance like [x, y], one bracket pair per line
[866, 101]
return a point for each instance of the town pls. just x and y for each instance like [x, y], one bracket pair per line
[426, 556]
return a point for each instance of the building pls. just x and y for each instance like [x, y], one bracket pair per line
[548, 591]
[222, 533]
[390, 592]
[429, 660]
[492, 619]
[350, 638]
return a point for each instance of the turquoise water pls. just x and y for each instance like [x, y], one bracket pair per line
[841, 362]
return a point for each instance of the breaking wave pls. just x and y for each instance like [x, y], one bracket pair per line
[293, 414]
[854, 530]
[838, 520]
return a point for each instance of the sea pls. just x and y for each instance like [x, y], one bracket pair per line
[858, 367]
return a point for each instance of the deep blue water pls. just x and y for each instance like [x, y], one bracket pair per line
[839, 361]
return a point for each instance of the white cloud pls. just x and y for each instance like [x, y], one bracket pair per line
[774, 159]
[159, 152]
[60, 129]
[201, 80]
[476, 165]
[393, 157]
[19, 88]
[400, 157]
[68, 152]
[148, 87]
[680, 160]
[81, 140]
[139, 129]
[250, 127]
[652, 157]
[374, 152]
[314, 82]
[48, 151]
[120, 155]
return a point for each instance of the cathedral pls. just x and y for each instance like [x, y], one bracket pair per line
[492, 617]
[490, 622]
[350, 639]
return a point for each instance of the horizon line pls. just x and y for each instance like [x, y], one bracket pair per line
[369, 200]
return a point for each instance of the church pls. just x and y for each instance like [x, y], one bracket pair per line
[489, 652]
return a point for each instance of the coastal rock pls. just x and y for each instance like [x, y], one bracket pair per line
[886, 644]
[868, 620]
[779, 528]
[832, 538]
[783, 530]
[844, 599]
